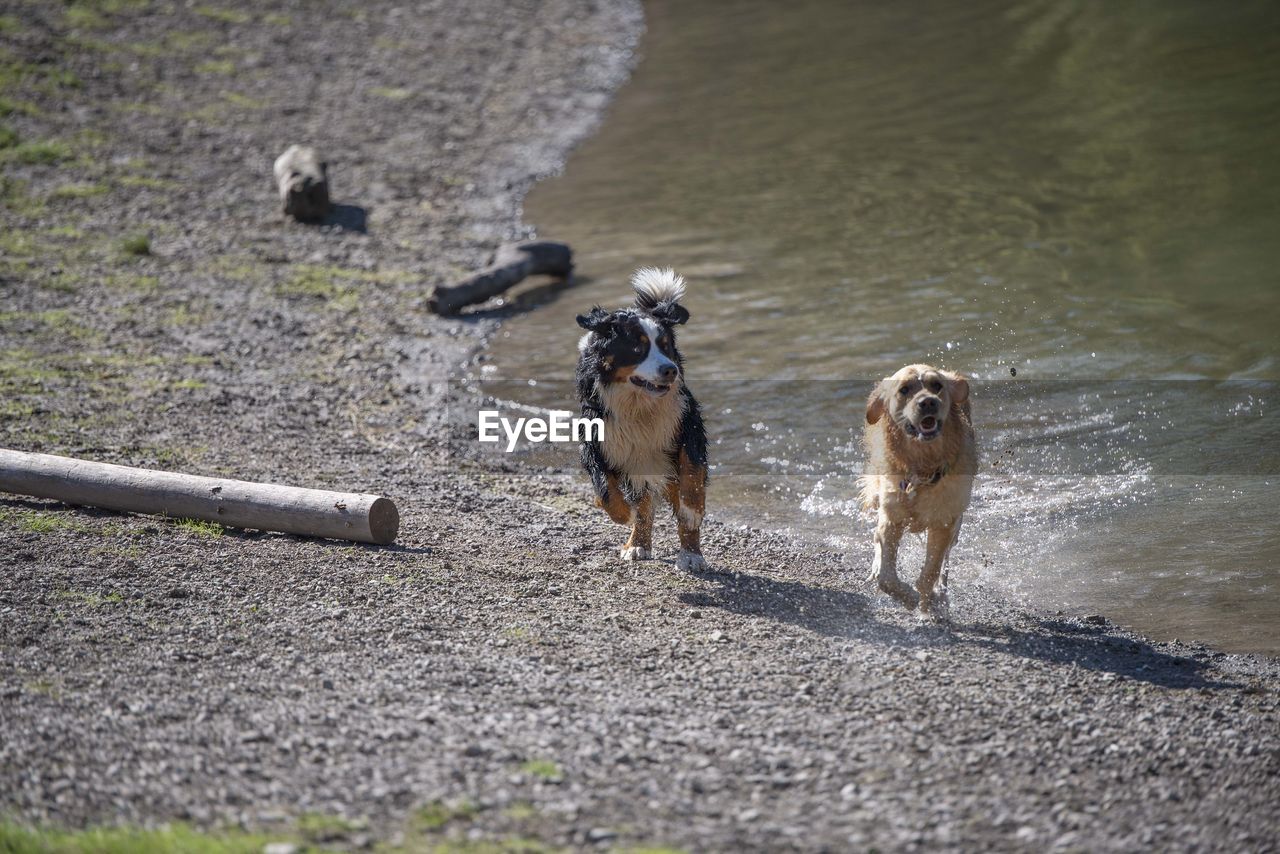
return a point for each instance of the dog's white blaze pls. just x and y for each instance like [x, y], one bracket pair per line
[584, 342]
[641, 432]
[658, 285]
[655, 361]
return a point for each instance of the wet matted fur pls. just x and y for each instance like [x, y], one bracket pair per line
[922, 456]
[631, 375]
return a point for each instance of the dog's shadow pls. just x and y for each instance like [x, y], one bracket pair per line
[846, 614]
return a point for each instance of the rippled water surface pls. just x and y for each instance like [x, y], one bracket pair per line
[1085, 193]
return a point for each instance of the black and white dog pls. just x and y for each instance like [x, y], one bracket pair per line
[630, 374]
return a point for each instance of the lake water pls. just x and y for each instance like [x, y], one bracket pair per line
[1085, 193]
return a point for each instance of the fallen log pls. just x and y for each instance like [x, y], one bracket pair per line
[236, 503]
[511, 264]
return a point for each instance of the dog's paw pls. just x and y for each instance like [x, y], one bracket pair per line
[691, 561]
[636, 553]
[935, 606]
[907, 597]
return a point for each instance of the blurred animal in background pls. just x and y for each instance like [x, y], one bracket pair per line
[302, 178]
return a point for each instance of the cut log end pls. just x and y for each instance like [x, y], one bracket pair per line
[384, 521]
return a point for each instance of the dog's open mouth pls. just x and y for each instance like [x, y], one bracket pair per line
[653, 388]
[928, 429]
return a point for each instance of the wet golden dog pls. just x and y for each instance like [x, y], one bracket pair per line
[921, 459]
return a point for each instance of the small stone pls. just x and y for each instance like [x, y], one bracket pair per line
[280, 848]
[600, 834]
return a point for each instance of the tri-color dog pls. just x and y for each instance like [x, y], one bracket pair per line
[631, 375]
[921, 458]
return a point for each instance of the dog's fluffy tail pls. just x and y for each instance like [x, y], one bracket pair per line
[655, 286]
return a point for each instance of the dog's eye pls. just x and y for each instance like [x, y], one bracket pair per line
[935, 386]
[905, 390]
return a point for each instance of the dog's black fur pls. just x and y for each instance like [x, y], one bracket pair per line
[615, 346]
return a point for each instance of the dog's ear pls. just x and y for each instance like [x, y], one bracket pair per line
[959, 388]
[670, 313]
[598, 320]
[875, 404]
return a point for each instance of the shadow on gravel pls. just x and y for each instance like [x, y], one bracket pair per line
[1092, 648]
[527, 300]
[348, 218]
[844, 614]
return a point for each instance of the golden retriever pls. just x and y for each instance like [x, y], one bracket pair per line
[921, 458]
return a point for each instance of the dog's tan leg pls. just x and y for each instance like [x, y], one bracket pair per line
[885, 567]
[640, 544]
[617, 507]
[688, 497]
[941, 539]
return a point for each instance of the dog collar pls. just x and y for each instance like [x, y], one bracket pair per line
[911, 484]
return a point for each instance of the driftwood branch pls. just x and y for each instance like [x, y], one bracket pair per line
[237, 503]
[511, 264]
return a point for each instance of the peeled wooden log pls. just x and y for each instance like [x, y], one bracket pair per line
[511, 264]
[236, 503]
[303, 180]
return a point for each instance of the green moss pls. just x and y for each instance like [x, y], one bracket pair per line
[9, 24]
[226, 16]
[8, 137]
[277, 20]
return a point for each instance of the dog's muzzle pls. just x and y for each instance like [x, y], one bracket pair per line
[652, 388]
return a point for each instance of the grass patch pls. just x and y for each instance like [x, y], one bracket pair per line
[544, 769]
[217, 66]
[200, 528]
[82, 16]
[436, 815]
[39, 153]
[170, 839]
[80, 191]
[9, 24]
[243, 101]
[147, 181]
[391, 93]
[225, 16]
[44, 523]
[8, 107]
[136, 245]
[8, 137]
[90, 599]
[275, 19]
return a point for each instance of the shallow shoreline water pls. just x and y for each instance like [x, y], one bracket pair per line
[1066, 204]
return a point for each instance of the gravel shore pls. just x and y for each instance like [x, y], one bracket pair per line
[498, 676]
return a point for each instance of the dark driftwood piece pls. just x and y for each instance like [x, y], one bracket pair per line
[510, 265]
[238, 503]
[302, 178]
